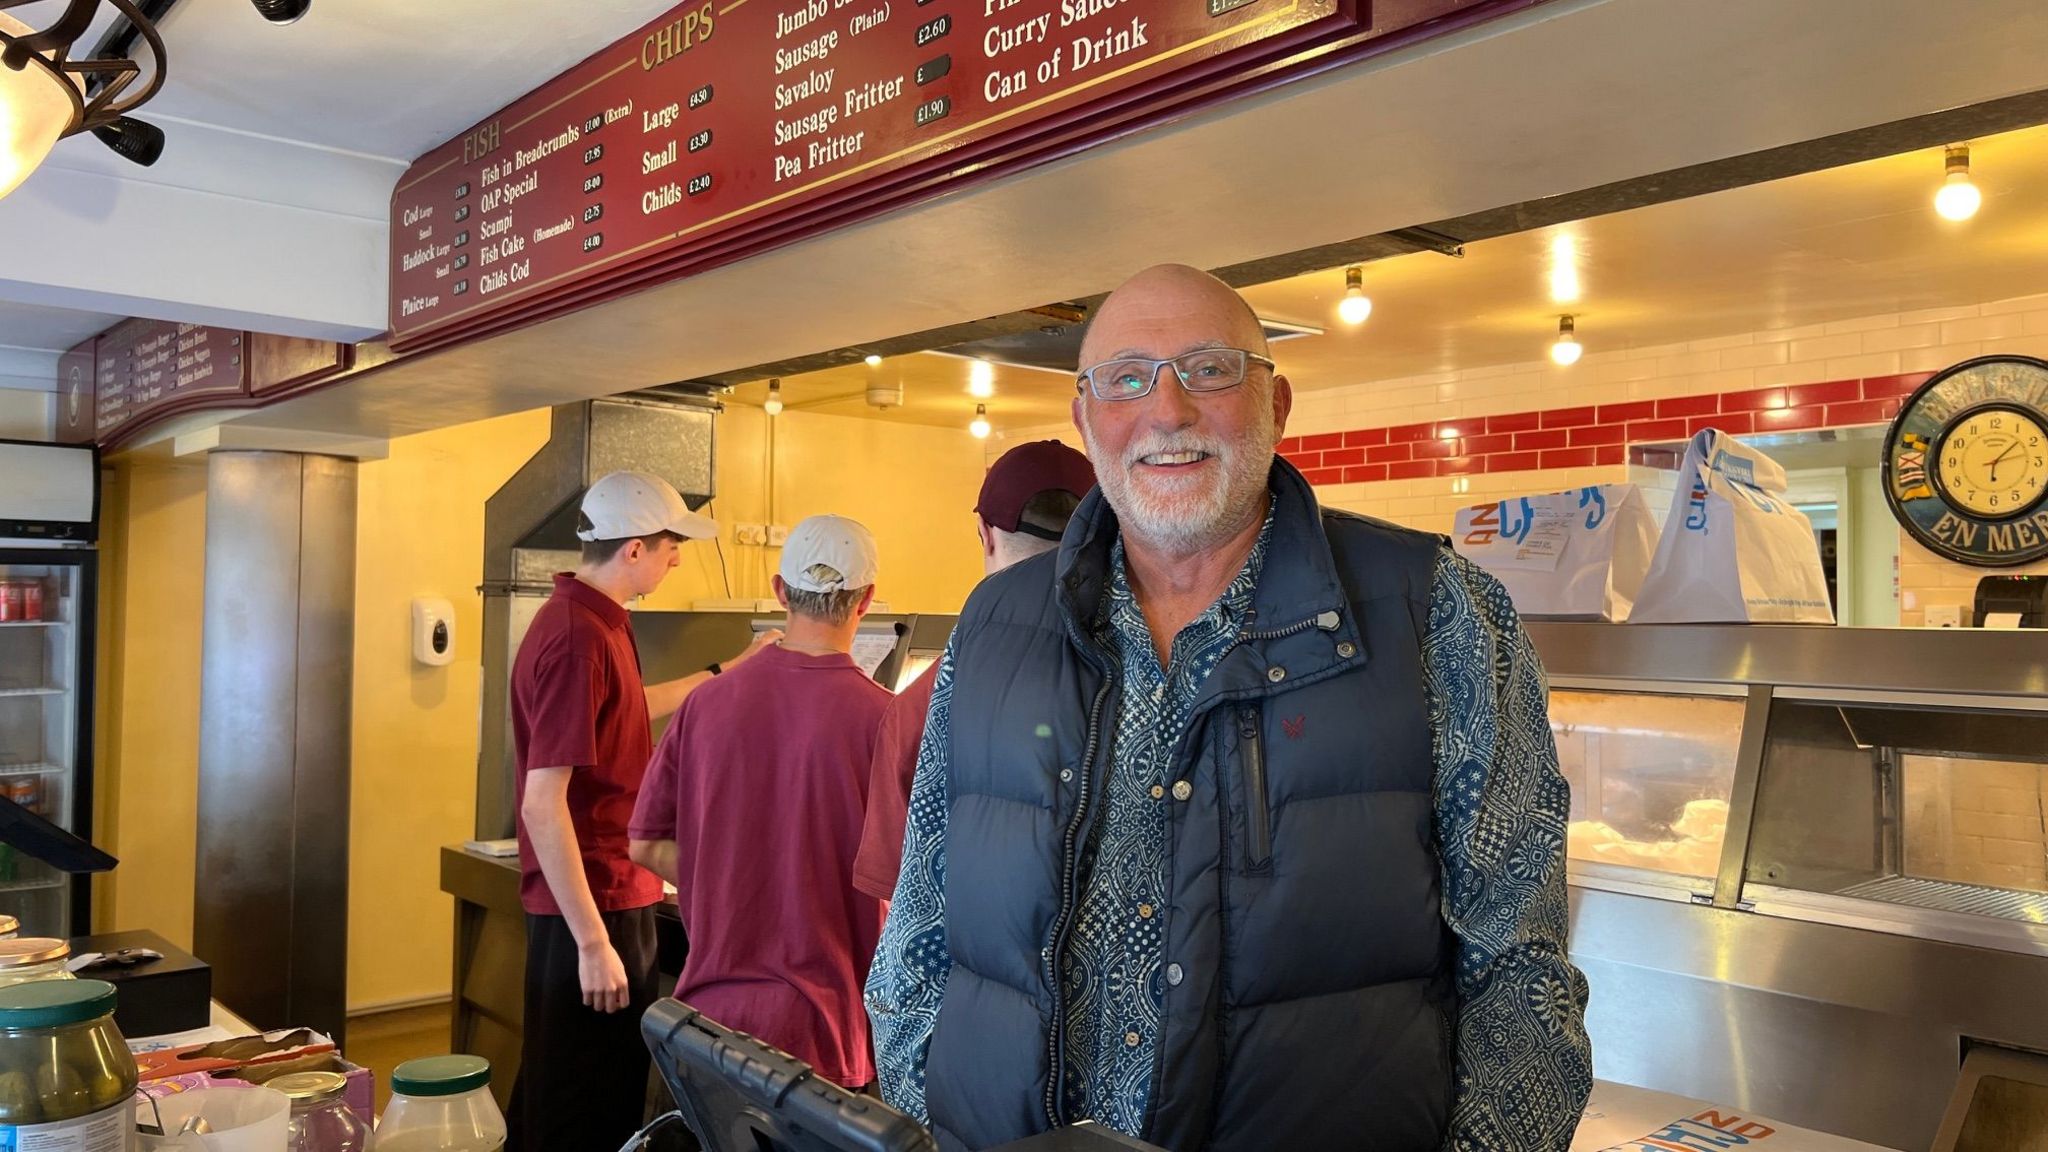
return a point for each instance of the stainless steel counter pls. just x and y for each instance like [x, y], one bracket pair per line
[1809, 866]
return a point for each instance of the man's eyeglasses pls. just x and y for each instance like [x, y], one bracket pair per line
[1204, 371]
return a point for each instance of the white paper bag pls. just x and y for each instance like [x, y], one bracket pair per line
[243, 1119]
[1577, 555]
[1734, 550]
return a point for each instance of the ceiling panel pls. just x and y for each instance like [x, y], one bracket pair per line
[1830, 245]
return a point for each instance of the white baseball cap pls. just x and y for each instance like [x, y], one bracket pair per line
[835, 542]
[627, 504]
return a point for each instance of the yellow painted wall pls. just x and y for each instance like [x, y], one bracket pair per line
[913, 486]
[153, 553]
[420, 533]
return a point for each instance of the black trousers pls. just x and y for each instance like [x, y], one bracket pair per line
[582, 1083]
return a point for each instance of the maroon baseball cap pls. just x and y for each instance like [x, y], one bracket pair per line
[1024, 472]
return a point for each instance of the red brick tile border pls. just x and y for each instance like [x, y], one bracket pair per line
[1588, 436]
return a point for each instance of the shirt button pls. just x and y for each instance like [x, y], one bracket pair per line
[1347, 649]
[1130, 1039]
[1276, 674]
[1182, 790]
[1174, 975]
[1158, 792]
[1144, 911]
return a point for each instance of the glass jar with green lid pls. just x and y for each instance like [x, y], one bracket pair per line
[443, 1104]
[29, 958]
[321, 1120]
[65, 1072]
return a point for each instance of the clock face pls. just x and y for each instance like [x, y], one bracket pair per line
[1966, 462]
[1993, 462]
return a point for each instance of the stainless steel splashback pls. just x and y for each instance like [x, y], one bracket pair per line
[530, 534]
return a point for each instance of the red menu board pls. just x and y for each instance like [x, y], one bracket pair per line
[75, 379]
[144, 366]
[727, 119]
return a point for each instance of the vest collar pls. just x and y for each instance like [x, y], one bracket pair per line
[1298, 592]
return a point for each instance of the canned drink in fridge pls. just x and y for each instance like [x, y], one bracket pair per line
[10, 600]
[26, 791]
[32, 600]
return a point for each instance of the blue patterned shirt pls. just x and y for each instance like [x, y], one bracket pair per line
[1112, 966]
[1523, 1064]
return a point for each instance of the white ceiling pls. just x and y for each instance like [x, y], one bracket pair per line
[388, 78]
[49, 329]
[323, 114]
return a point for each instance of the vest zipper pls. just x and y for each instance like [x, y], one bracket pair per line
[1056, 1042]
[1327, 621]
[1252, 755]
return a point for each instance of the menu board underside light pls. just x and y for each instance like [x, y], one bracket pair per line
[728, 126]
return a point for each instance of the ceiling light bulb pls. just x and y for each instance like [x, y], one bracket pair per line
[1566, 351]
[979, 428]
[873, 361]
[981, 379]
[1356, 305]
[34, 111]
[1958, 198]
[773, 405]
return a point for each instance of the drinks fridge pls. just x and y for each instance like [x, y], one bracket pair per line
[48, 574]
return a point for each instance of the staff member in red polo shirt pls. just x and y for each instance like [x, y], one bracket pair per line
[1026, 499]
[755, 823]
[581, 726]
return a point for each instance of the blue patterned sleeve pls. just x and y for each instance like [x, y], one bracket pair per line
[1523, 1064]
[908, 977]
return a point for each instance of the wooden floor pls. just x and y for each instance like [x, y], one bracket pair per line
[382, 1041]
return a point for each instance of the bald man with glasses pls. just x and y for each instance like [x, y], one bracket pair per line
[1237, 824]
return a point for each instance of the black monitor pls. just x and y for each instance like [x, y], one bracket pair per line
[740, 1095]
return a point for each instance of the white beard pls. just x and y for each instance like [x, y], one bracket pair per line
[1179, 515]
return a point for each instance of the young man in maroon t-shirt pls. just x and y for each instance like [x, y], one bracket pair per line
[1026, 500]
[581, 727]
[756, 822]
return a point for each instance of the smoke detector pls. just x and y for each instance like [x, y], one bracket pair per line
[885, 395]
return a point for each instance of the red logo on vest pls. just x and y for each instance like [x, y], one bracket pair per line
[1293, 726]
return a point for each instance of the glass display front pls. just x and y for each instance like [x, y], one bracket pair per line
[1650, 777]
[40, 660]
[1940, 808]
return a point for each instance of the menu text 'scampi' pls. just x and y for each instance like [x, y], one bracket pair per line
[730, 117]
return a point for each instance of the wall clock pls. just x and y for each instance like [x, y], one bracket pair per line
[1966, 462]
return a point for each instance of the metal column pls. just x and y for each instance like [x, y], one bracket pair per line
[271, 909]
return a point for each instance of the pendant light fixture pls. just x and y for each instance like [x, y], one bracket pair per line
[1958, 198]
[46, 94]
[981, 379]
[1566, 351]
[1356, 305]
[979, 428]
[872, 360]
[773, 405]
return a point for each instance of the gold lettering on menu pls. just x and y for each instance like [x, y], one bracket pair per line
[675, 38]
[481, 143]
